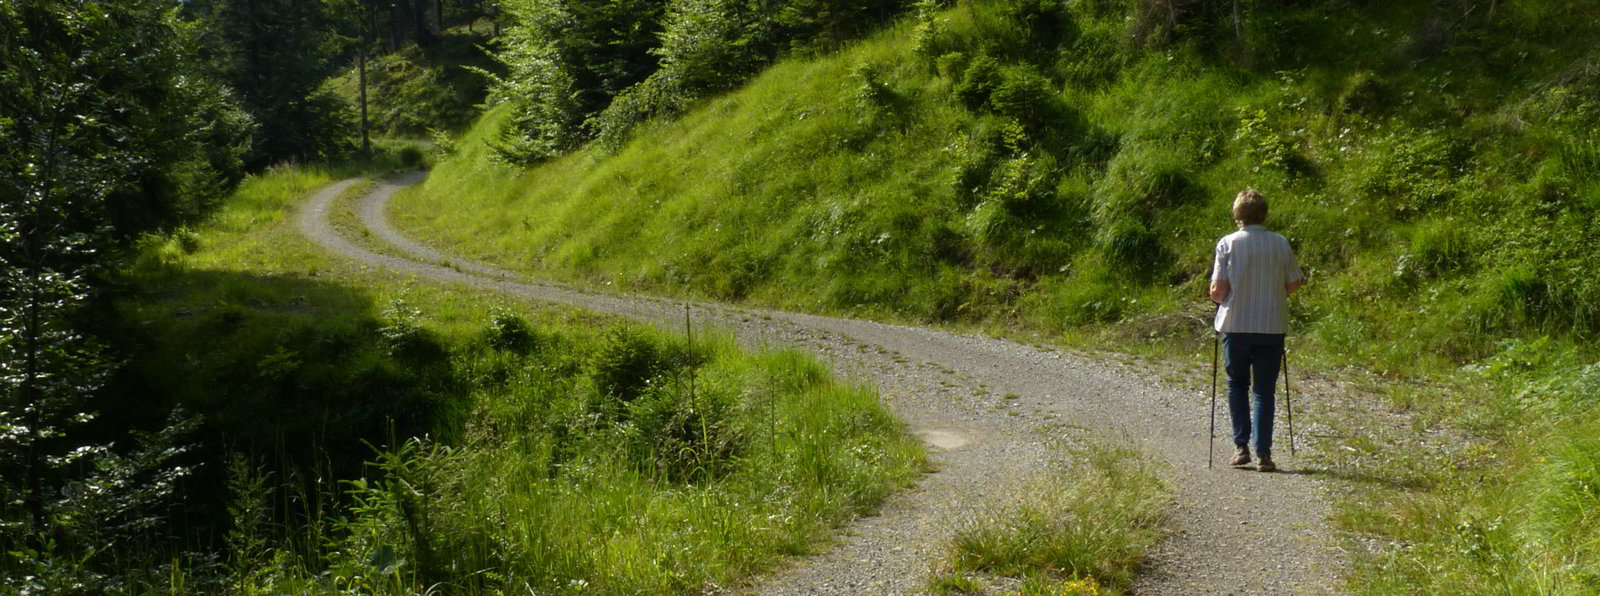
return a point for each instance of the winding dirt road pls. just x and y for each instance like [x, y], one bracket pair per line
[989, 409]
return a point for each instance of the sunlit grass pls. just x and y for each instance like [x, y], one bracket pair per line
[1081, 530]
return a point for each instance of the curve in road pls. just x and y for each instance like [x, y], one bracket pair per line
[1233, 532]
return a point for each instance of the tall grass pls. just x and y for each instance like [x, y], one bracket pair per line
[1530, 533]
[1083, 530]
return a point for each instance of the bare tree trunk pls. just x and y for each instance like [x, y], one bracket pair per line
[1238, 25]
[438, 14]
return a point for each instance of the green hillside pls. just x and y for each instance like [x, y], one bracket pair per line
[964, 166]
[1063, 169]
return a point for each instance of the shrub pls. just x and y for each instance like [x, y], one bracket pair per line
[951, 65]
[630, 360]
[874, 96]
[1363, 92]
[684, 433]
[932, 42]
[411, 156]
[1041, 25]
[1023, 94]
[433, 87]
[1264, 145]
[507, 331]
[405, 338]
[979, 81]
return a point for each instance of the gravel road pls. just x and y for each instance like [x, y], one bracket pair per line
[989, 410]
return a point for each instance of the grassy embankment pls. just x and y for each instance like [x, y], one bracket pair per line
[508, 446]
[1064, 175]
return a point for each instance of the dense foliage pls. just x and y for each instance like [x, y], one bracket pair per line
[581, 69]
[275, 55]
[102, 144]
[419, 90]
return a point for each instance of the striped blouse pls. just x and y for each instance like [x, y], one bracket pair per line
[1257, 264]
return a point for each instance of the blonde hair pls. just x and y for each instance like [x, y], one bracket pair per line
[1250, 207]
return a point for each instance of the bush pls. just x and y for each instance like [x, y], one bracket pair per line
[881, 105]
[411, 156]
[509, 332]
[978, 81]
[418, 89]
[404, 336]
[628, 361]
[1023, 94]
[684, 433]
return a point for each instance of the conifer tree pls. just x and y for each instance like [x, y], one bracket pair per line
[109, 133]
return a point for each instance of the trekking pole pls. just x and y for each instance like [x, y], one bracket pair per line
[1211, 438]
[1288, 400]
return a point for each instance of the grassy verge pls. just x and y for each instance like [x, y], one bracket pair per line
[1082, 531]
[384, 435]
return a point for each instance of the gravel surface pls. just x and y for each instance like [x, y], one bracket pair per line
[989, 409]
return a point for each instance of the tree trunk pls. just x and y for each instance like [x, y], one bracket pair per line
[32, 332]
[420, 12]
[30, 399]
[394, 27]
[1238, 25]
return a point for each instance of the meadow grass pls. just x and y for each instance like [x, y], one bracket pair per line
[1081, 530]
[507, 446]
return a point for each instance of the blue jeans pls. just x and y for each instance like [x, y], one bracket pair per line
[1252, 359]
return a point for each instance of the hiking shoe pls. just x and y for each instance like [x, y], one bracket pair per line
[1266, 465]
[1241, 457]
